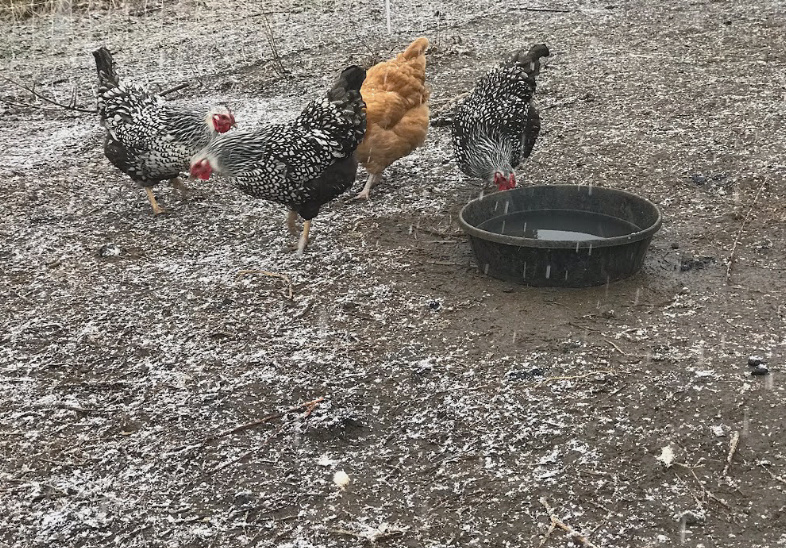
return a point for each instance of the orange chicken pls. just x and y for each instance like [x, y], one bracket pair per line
[396, 111]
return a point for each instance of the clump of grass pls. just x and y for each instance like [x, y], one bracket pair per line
[23, 9]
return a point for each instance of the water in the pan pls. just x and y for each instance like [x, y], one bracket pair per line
[559, 225]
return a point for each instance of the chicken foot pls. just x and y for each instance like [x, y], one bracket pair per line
[373, 179]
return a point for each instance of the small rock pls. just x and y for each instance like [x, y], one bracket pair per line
[524, 375]
[698, 179]
[242, 498]
[695, 263]
[760, 369]
[689, 517]
[108, 250]
[675, 245]
[434, 305]
[718, 431]
[754, 361]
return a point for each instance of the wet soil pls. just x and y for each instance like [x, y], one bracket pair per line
[157, 393]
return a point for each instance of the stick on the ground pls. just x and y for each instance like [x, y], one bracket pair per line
[741, 230]
[558, 523]
[617, 348]
[544, 10]
[279, 64]
[775, 477]
[307, 406]
[446, 104]
[574, 377]
[289, 293]
[48, 100]
[733, 443]
[174, 89]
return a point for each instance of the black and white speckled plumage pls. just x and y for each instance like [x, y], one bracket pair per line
[496, 127]
[303, 164]
[147, 138]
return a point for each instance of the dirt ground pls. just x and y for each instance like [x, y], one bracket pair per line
[154, 395]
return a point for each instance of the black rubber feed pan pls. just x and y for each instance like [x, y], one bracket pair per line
[560, 235]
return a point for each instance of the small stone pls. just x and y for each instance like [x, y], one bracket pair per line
[523, 375]
[754, 361]
[675, 245]
[242, 498]
[698, 179]
[108, 250]
[690, 517]
[760, 369]
[434, 305]
[695, 263]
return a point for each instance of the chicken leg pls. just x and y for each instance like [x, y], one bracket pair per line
[303, 242]
[178, 184]
[292, 222]
[373, 179]
[152, 197]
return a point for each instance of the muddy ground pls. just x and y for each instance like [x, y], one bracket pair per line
[132, 347]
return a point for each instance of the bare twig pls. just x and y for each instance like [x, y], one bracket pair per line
[440, 233]
[371, 536]
[544, 10]
[69, 407]
[617, 348]
[229, 463]
[559, 104]
[705, 493]
[47, 99]
[446, 104]
[741, 230]
[558, 523]
[280, 68]
[445, 263]
[174, 89]
[573, 377]
[776, 478]
[733, 444]
[440, 113]
[288, 292]
[308, 407]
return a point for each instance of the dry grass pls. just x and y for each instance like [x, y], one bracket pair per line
[23, 9]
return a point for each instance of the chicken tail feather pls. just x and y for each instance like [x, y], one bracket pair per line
[105, 66]
[530, 61]
[416, 48]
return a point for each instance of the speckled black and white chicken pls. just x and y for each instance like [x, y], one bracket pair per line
[303, 164]
[496, 126]
[147, 138]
